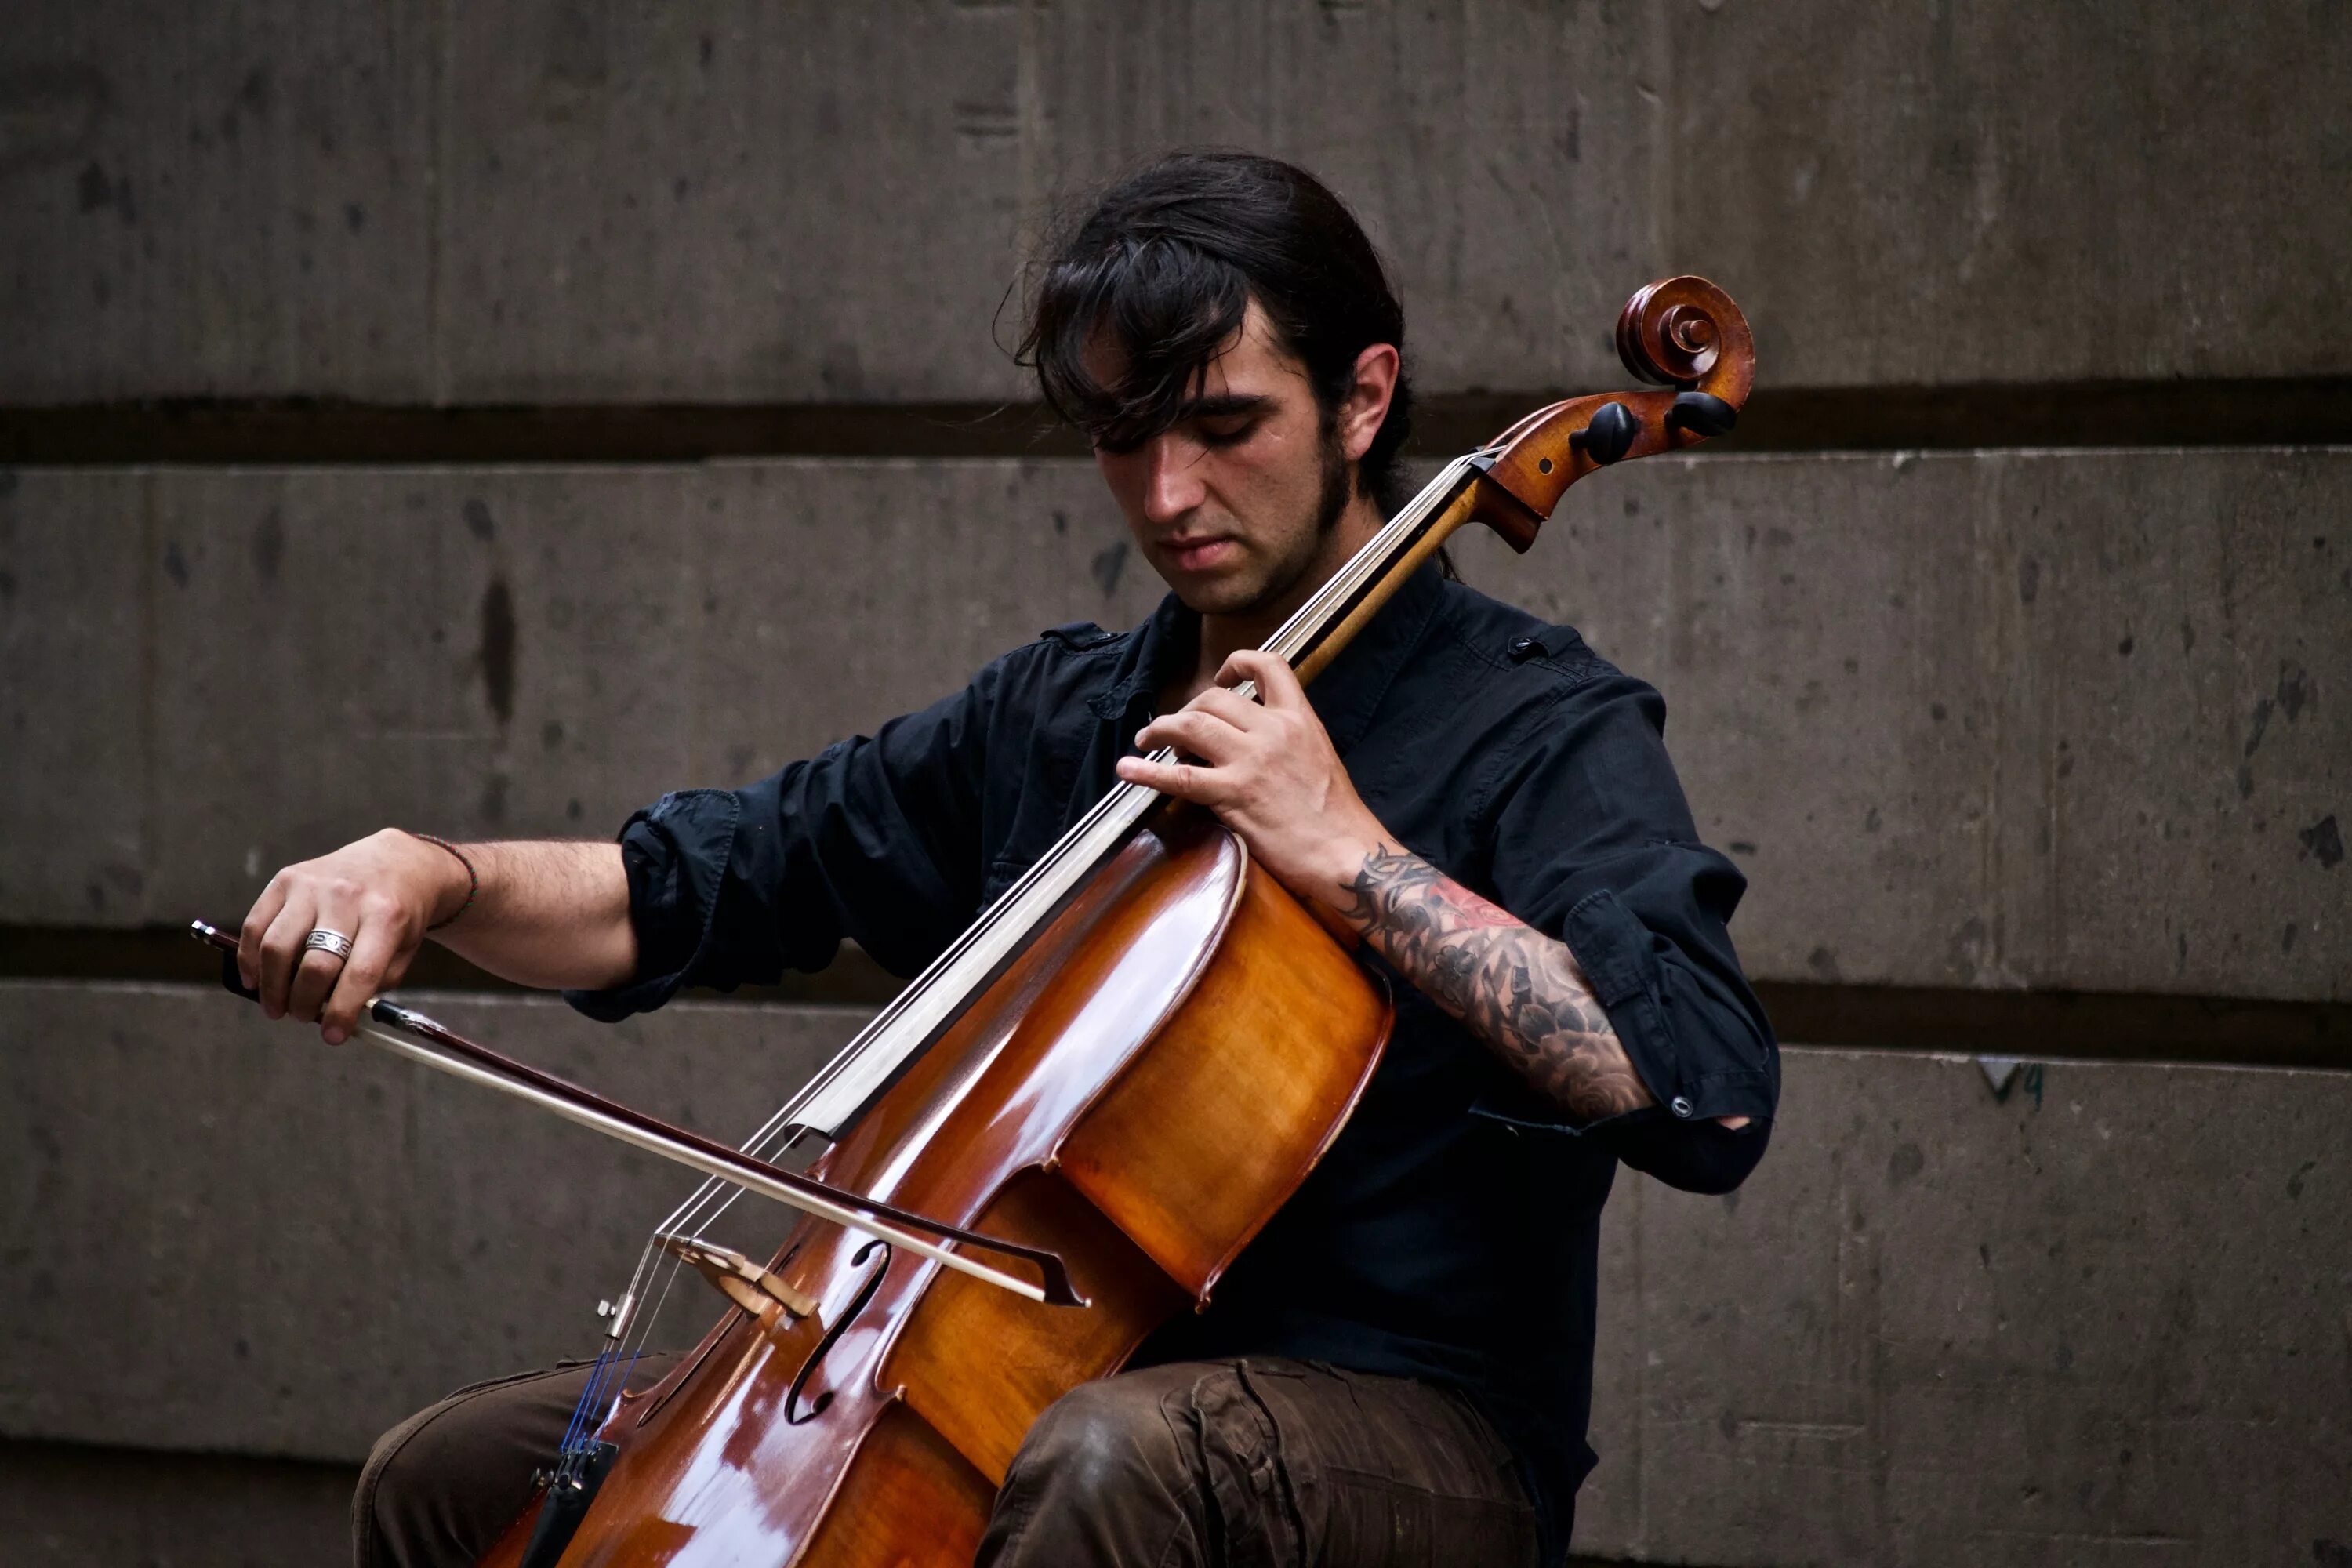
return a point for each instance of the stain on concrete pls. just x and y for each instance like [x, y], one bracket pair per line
[494, 798]
[1906, 1162]
[1108, 564]
[1966, 953]
[2294, 1183]
[2286, 938]
[269, 544]
[2262, 722]
[354, 216]
[2188, 636]
[1869, 821]
[478, 521]
[1823, 963]
[255, 97]
[93, 191]
[2322, 839]
[49, 114]
[841, 371]
[7, 583]
[175, 565]
[2126, 647]
[2028, 580]
[551, 734]
[8, 483]
[497, 649]
[2293, 689]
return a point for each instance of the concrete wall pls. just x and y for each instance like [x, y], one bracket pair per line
[2059, 720]
[2009, 722]
[555, 200]
[2101, 1319]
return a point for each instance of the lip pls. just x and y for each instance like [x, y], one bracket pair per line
[1201, 553]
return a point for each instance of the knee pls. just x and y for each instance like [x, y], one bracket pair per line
[400, 1490]
[433, 1489]
[1098, 1442]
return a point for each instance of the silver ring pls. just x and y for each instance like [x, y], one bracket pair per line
[324, 941]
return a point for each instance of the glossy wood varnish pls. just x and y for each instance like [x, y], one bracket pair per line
[1139, 1091]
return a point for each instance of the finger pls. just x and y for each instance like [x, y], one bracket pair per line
[313, 978]
[1277, 683]
[375, 963]
[1205, 735]
[256, 925]
[281, 948]
[315, 969]
[1231, 706]
[1185, 781]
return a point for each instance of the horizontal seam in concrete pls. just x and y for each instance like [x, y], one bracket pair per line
[66, 1448]
[2044, 1026]
[2226, 413]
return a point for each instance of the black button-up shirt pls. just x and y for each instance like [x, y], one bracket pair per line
[1452, 1231]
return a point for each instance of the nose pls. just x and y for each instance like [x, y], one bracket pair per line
[1172, 478]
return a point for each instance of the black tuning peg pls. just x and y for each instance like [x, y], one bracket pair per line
[1702, 414]
[1608, 435]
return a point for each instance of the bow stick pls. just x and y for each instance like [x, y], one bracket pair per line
[408, 1033]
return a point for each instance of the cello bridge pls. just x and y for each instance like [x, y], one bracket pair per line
[737, 1277]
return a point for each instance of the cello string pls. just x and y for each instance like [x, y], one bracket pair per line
[622, 1353]
[705, 1206]
[710, 1200]
[1311, 617]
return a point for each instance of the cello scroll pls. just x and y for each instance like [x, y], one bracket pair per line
[1684, 333]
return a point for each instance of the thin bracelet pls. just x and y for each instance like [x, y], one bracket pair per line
[472, 877]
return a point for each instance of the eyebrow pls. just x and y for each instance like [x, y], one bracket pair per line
[1224, 405]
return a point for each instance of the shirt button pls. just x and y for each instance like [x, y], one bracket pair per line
[1680, 1106]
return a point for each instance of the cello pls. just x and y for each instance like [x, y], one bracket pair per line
[1058, 1136]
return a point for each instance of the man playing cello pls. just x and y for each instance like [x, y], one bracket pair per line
[1399, 1369]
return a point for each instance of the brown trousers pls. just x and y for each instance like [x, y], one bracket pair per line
[1256, 1461]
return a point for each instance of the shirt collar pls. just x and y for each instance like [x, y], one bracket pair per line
[1346, 696]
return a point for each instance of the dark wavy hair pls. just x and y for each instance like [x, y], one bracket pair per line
[1166, 263]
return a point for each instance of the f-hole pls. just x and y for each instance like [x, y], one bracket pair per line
[794, 1415]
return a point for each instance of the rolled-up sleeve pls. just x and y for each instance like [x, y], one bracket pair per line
[1593, 844]
[875, 840]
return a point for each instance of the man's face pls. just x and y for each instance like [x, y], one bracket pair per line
[1235, 502]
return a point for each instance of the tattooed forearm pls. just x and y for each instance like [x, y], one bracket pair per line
[1515, 988]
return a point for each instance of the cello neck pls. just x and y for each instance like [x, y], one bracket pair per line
[1312, 637]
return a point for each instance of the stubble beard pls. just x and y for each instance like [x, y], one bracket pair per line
[1336, 488]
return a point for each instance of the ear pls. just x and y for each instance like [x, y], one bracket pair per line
[1367, 403]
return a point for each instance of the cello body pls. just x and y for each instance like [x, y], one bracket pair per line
[1139, 1092]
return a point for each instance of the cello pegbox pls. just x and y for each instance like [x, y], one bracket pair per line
[1682, 334]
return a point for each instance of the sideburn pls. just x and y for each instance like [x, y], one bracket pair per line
[1339, 486]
